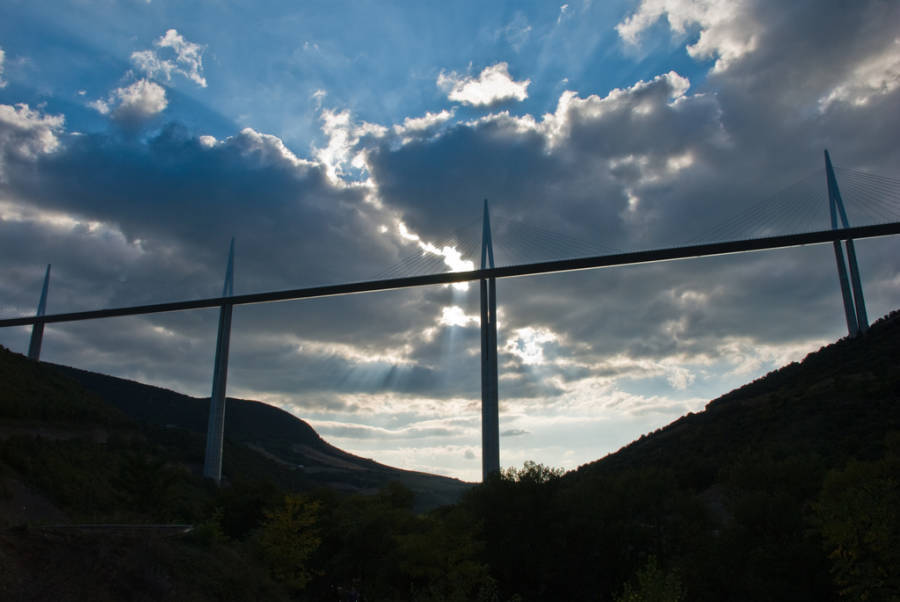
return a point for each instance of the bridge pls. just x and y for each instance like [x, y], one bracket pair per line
[876, 193]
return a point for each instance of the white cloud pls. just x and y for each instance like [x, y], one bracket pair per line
[27, 133]
[345, 430]
[455, 315]
[452, 257]
[877, 75]
[266, 149]
[426, 123]
[2, 58]
[134, 103]
[318, 97]
[188, 60]
[343, 136]
[153, 66]
[139, 101]
[641, 99]
[728, 30]
[100, 105]
[528, 344]
[492, 86]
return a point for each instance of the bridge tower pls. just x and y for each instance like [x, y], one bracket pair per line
[37, 330]
[212, 463]
[490, 419]
[855, 303]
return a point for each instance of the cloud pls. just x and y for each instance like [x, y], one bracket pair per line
[516, 32]
[427, 124]
[528, 344]
[643, 166]
[2, 58]
[728, 28]
[135, 103]
[26, 134]
[514, 433]
[360, 431]
[343, 136]
[527, 163]
[493, 85]
[188, 59]
[876, 75]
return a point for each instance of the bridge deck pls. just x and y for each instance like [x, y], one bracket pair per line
[546, 267]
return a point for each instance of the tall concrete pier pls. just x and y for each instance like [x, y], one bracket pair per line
[854, 303]
[37, 330]
[212, 463]
[490, 419]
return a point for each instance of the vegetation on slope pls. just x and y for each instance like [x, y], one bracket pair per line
[785, 489]
[303, 460]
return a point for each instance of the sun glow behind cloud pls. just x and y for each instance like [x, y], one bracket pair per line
[455, 316]
[528, 344]
[453, 259]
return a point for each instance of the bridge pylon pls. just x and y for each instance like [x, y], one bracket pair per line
[215, 433]
[490, 418]
[854, 303]
[37, 330]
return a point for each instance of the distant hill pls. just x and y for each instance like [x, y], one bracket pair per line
[306, 460]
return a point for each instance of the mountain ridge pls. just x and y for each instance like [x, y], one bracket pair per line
[272, 432]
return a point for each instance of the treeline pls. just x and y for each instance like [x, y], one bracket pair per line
[774, 527]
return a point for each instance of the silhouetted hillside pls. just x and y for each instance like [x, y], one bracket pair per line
[839, 402]
[280, 436]
[784, 489]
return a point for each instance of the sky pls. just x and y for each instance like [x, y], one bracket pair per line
[342, 141]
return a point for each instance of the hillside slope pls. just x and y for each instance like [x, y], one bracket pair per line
[839, 402]
[783, 489]
[273, 432]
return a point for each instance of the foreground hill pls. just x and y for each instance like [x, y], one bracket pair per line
[785, 489]
[304, 458]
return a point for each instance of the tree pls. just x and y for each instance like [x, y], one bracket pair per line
[652, 584]
[531, 472]
[288, 540]
[857, 515]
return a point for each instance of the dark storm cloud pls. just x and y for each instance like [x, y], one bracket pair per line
[128, 221]
[568, 174]
[173, 190]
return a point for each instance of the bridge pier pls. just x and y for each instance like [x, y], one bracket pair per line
[215, 433]
[490, 395]
[854, 303]
[37, 329]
